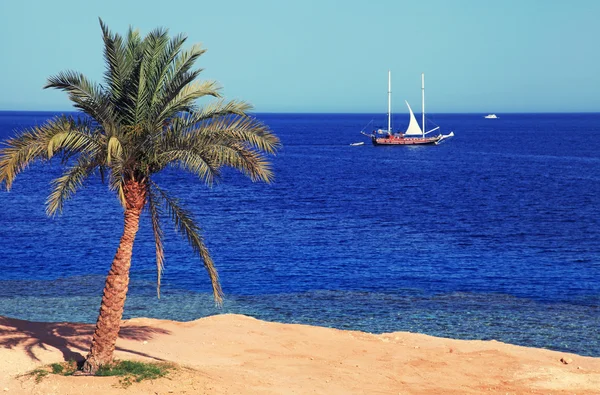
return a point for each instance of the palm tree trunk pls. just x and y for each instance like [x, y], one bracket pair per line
[117, 283]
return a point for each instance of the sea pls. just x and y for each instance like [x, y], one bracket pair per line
[493, 234]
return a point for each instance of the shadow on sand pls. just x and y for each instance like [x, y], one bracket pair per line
[68, 338]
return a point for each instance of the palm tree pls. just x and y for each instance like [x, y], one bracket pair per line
[142, 120]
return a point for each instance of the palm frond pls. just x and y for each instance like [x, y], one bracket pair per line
[155, 215]
[116, 180]
[239, 129]
[114, 57]
[154, 45]
[194, 162]
[33, 144]
[237, 142]
[124, 94]
[250, 162]
[85, 95]
[67, 184]
[73, 138]
[192, 232]
[17, 154]
[179, 76]
[114, 149]
[165, 63]
[183, 97]
[220, 109]
[185, 62]
[176, 149]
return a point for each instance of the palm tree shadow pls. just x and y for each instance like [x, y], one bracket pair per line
[71, 339]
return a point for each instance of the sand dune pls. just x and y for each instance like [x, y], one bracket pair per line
[234, 354]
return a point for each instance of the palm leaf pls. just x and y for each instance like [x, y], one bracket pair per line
[164, 66]
[197, 164]
[249, 162]
[179, 75]
[154, 46]
[192, 232]
[241, 129]
[114, 56]
[181, 99]
[67, 184]
[221, 109]
[40, 143]
[155, 214]
[84, 94]
[183, 152]
[73, 138]
[114, 149]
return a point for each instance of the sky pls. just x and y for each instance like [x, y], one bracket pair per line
[478, 56]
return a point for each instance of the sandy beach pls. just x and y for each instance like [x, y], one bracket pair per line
[235, 354]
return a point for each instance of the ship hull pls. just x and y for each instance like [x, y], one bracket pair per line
[396, 140]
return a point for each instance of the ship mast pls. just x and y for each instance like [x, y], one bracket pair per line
[389, 101]
[423, 101]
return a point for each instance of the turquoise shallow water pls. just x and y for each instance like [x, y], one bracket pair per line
[556, 326]
[492, 235]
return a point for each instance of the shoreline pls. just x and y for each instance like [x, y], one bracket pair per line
[557, 326]
[230, 353]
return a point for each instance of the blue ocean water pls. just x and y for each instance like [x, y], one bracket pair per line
[494, 234]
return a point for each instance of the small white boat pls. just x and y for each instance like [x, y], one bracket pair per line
[359, 143]
[491, 116]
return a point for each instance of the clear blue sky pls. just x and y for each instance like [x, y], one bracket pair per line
[329, 55]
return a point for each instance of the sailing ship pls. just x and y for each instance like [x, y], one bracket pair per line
[491, 116]
[414, 134]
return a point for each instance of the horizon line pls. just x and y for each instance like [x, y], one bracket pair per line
[344, 113]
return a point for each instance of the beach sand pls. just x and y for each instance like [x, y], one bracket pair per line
[235, 354]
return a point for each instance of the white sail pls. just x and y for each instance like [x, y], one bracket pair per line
[413, 127]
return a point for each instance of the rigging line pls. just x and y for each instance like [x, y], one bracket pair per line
[434, 124]
[430, 120]
[363, 129]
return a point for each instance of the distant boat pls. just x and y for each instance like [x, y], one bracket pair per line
[359, 143]
[414, 135]
[491, 116]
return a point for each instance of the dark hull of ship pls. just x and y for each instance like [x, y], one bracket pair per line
[396, 140]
